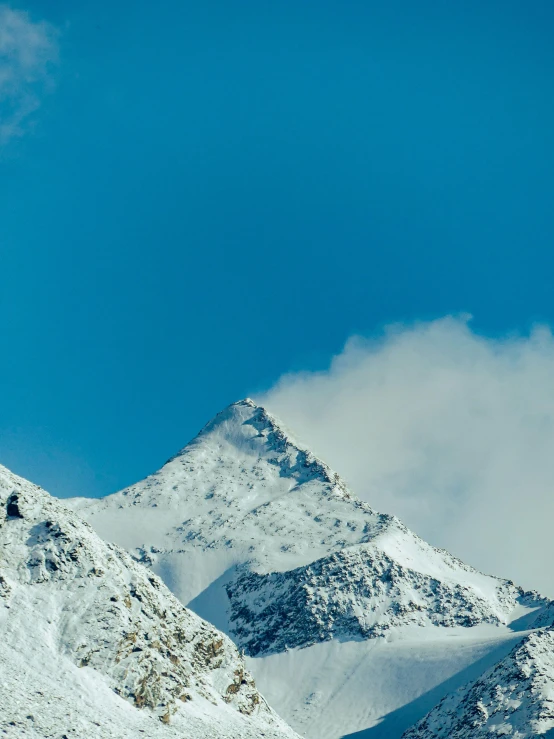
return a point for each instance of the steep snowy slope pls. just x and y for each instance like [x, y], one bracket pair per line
[515, 698]
[264, 540]
[94, 644]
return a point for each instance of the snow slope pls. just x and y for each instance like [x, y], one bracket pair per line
[514, 698]
[93, 644]
[258, 536]
[376, 688]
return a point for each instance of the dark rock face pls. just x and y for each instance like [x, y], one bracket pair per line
[12, 507]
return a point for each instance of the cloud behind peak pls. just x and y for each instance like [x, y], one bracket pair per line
[451, 431]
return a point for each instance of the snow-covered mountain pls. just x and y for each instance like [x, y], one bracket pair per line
[94, 644]
[515, 698]
[350, 622]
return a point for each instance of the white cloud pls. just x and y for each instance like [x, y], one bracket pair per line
[27, 51]
[450, 431]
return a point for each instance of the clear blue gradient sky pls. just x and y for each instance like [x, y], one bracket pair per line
[218, 192]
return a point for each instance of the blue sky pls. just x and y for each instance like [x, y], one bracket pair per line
[212, 194]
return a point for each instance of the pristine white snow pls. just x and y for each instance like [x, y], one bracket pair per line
[351, 622]
[93, 644]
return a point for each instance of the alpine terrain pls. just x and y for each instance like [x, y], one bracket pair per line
[94, 644]
[515, 698]
[350, 623]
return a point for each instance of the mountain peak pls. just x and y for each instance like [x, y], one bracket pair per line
[260, 537]
[249, 428]
[244, 413]
[246, 401]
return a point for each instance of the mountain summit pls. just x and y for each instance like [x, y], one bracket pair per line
[349, 620]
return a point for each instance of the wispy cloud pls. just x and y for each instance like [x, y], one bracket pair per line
[450, 431]
[28, 49]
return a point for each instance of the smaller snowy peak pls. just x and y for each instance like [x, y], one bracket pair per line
[515, 698]
[73, 602]
[357, 593]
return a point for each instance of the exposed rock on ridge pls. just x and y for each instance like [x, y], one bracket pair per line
[356, 593]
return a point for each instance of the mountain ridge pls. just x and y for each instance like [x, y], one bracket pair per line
[81, 612]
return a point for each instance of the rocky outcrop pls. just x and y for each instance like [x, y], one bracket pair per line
[357, 593]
